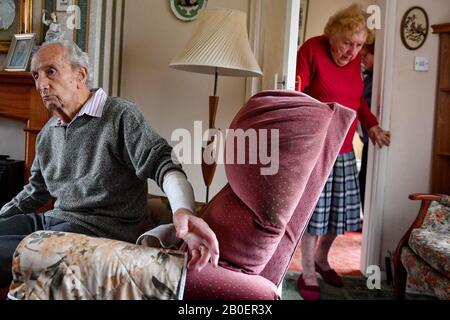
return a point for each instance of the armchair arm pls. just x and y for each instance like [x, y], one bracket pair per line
[424, 196]
[66, 266]
[400, 278]
[426, 202]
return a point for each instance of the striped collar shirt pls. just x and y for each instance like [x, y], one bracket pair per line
[93, 107]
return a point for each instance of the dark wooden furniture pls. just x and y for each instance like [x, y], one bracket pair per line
[11, 179]
[198, 205]
[19, 100]
[441, 147]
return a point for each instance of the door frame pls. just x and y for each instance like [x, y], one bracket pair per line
[371, 250]
[255, 35]
[291, 43]
[256, 38]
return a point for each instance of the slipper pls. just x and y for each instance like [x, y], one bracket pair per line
[330, 276]
[308, 292]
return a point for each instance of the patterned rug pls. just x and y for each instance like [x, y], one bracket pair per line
[344, 256]
[355, 288]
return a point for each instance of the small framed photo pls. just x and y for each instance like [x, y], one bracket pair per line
[62, 5]
[15, 17]
[20, 51]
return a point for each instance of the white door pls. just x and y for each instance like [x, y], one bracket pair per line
[274, 36]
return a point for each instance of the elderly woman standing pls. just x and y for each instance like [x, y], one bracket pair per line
[329, 67]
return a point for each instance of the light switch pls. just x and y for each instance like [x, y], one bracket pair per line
[422, 64]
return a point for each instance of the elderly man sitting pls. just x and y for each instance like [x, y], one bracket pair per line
[94, 157]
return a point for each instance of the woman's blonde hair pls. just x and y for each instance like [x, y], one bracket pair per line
[348, 22]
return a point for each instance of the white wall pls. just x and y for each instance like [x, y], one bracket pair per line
[169, 98]
[412, 122]
[319, 11]
[12, 138]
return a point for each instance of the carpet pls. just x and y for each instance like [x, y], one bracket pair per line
[355, 288]
[344, 256]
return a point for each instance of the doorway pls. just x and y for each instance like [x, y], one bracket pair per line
[318, 12]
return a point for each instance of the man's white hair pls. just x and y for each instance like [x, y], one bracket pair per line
[77, 57]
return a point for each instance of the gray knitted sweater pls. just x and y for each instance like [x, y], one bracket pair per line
[97, 169]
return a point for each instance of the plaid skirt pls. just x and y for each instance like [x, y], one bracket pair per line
[338, 208]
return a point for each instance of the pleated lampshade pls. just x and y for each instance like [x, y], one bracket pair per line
[219, 44]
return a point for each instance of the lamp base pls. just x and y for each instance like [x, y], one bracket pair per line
[207, 195]
[208, 170]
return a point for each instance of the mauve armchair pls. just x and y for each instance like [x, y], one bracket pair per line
[259, 219]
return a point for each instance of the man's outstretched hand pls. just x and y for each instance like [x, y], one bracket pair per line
[200, 239]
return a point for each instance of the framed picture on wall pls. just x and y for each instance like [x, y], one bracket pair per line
[414, 28]
[19, 52]
[15, 17]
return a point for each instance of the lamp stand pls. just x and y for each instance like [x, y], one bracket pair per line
[208, 170]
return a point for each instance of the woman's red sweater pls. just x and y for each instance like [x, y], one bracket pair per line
[325, 81]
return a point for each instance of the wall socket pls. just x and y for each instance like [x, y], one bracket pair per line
[422, 64]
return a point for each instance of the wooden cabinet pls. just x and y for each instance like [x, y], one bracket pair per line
[19, 100]
[441, 148]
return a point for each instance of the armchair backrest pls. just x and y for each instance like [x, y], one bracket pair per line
[340, 122]
[437, 218]
[258, 218]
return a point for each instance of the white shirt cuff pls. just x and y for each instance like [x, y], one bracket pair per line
[179, 191]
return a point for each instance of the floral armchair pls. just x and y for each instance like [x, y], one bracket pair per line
[422, 257]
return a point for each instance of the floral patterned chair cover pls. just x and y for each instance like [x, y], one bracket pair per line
[425, 253]
[45, 269]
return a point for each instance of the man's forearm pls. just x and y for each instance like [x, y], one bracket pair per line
[180, 194]
[179, 191]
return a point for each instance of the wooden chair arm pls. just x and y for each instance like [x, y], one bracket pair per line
[426, 201]
[423, 196]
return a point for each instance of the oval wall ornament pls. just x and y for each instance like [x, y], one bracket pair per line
[187, 10]
[414, 28]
